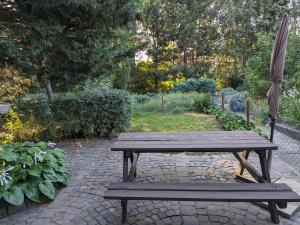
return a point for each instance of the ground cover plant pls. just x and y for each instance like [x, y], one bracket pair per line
[31, 170]
[231, 121]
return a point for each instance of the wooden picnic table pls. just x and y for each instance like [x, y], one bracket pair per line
[236, 142]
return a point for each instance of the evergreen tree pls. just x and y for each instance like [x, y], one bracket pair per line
[65, 41]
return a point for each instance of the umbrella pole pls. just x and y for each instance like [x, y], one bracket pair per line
[271, 140]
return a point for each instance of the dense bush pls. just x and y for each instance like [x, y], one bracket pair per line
[32, 170]
[78, 115]
[172, 103]
[197, 85]
[202, 103]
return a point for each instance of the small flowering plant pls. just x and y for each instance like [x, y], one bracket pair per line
[31, 170]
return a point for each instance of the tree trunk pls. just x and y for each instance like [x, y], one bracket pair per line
[185, 56]
[49, 90]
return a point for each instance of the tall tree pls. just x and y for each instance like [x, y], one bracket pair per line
[180, 37]
[65, 42]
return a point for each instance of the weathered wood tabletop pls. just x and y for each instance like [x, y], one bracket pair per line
[215, 141]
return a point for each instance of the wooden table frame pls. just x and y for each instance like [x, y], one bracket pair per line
[263, 177]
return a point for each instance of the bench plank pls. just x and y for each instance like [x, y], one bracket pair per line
[218, 196]
[200, 187]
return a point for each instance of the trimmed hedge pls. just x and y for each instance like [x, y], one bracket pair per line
[197, 85]
[82, 114]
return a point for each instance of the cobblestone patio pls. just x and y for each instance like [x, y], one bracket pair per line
[93, 166]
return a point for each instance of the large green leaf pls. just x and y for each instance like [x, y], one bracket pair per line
[47, 188]
[7, 155]
[63, 178]
[20, 174]
[42, 145]
[59, 153]
[61, 169]
[47, 168]
[52, 161]
[35, 171]
[50, 176]
[14, 196]
[32, 192]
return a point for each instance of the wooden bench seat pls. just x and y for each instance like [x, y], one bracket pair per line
[218, 192]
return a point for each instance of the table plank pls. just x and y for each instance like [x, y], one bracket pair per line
[189, 135]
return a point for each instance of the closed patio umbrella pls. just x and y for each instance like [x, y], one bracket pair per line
[276, 73]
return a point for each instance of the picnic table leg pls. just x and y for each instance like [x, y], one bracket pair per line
[131, 161]
[126, 156]
[266, 174]
[245, 154]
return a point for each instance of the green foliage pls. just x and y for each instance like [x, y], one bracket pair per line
[79, 114]
[12, 84]
[257, 75]
[197, 85]
[67, 41]
[179, 34]
[173, 103]
[141, 99]
[202, 103]
[289, 110]
[228, 91]
[231, 121]
[150, 77]
[31, 170]
[259, 110]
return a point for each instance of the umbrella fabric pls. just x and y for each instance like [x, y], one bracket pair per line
[277, 66]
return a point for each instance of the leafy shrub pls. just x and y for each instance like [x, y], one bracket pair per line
[237, 102]
[228, 91]
[259, 110]
[197, 85]
[202, 103]
[31, 170]
[231, 121]
[78, 115]
[173, 103]
[289, 110]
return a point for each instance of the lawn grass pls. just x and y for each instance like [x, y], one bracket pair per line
[165, 122]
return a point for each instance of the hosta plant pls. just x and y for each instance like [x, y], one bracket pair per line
[31, 170]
